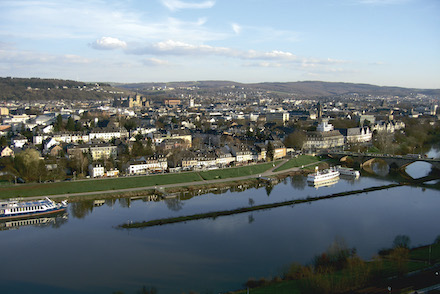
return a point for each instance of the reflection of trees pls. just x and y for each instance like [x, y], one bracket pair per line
[60, 220]
[269, 189]
[251, 219]
[174, 204]
[110, 202]
[298, 182]
[82, 208]
[380, 167]
[124, 202]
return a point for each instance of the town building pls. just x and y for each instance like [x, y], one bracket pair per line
[357, 135]
[96, 170]
[147, 165]
[325, 137]
[6, 151]
[277, 117]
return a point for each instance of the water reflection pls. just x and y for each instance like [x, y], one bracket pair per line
[298, 182]
[269, 188]
[53, 221]
[174, 204]
[327, 183]
[380, 168]
[81, 209]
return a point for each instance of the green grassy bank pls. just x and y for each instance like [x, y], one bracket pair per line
[299, 161]
[109, 184]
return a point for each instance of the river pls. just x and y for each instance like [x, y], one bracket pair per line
[85, 252]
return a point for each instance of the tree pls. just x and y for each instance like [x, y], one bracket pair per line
[130, 124]
[270, 151]
[28, 164]
[70, 125]
[58, 124]
[80, 162]
[401, 241]
[295, 140]
[400, 256]
[3, 141]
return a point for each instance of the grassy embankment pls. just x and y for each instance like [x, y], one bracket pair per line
[372, 276]
[101, 185]
[300, 161]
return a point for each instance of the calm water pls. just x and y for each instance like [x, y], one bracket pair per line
[86, 253]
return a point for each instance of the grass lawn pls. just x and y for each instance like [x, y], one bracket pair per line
[24, 190]
[236, 172]
[27, 190]
[286, 287]
[298, 162]
[422, 253]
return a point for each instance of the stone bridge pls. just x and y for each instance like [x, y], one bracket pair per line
[393, 161]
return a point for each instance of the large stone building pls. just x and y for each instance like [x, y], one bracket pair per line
[325, 137]
[357, 135]
[277, 117]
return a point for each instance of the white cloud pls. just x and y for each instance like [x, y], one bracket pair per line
[155, 62]
[174, 5]
[171, 47]
[87, 20]
[236, 28]
[109, 43]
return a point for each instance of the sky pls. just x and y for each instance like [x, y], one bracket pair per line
[381, 42]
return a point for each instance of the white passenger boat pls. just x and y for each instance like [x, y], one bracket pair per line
[346, 171]
[322, 176]
[19, 209]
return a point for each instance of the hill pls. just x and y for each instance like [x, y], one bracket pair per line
[35, 89]
[302, 89]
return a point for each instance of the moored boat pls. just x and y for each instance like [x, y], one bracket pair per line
[19, 209]
[346, 171]
[322, 176]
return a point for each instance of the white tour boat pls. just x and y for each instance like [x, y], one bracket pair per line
[16, 209]
[322, 176]
[346, 171]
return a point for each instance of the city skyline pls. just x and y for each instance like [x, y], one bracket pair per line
[382, 42]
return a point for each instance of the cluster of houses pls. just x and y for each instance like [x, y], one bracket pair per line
[112, 140]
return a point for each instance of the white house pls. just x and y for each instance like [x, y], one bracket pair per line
[19, 141]
[144, 166]
[96, 170]
[49, 142]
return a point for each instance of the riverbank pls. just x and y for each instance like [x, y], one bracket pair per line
[402, 270]
[141, 184]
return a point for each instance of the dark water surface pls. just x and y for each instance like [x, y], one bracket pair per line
[87, 253]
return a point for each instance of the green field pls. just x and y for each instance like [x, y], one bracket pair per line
[298, 162]
[426, 253]
[237, 171]
[25, 190]
[92, 185]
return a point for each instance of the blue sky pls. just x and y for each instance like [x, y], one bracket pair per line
[382, 42]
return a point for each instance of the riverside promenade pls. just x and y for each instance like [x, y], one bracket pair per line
[268, 173]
